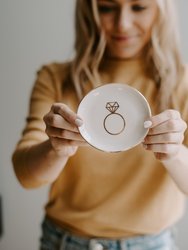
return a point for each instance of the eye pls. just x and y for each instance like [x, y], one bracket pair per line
[138, 8]
[106, 8]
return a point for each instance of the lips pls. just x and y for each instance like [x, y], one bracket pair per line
[124, 38]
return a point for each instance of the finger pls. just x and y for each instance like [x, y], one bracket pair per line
[79, 143]
[62, 133]
[176, 138]
[67, 114]
[162, 157]
[170, 126]
[166, 115]
[57, 121]
[162, 117]
[60, 142]
[162, 148]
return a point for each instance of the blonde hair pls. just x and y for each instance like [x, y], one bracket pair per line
[164, 59]
[163, 56]
[89, 45]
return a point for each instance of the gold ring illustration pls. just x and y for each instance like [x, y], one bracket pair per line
[114, 123]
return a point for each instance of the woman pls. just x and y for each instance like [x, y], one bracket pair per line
[129, 200]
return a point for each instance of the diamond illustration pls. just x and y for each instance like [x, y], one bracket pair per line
[112, 106]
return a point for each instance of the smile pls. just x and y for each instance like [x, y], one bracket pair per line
[122, 38]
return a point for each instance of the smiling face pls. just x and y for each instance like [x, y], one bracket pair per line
[127, 25]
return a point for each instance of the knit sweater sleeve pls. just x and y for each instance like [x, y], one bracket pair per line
[44, 93]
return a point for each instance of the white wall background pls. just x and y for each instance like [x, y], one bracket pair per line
[32, 33]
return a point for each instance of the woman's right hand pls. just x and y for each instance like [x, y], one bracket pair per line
[62, 129]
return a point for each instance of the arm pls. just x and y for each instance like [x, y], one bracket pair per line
[41, 163]
[165, 139]
[50, 136]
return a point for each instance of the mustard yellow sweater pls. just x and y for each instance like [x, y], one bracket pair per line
[105, 194]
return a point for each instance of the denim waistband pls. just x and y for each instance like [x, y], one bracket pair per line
[55, 238]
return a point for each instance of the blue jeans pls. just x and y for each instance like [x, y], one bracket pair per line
[54, 238]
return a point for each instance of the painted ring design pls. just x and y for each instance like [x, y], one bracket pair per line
[114, 118]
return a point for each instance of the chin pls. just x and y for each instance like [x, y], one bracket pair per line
[124, 56]
[124, 53]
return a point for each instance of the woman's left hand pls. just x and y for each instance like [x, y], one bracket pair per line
[166, 134]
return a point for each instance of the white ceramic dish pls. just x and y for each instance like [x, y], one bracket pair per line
[113, 117]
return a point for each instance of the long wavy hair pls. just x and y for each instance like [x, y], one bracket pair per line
[163, 60]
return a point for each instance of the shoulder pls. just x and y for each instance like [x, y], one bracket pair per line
[184, 77]
[57, 71]
[181, 88]
[180, 93]
[184, 99]
[51, 78]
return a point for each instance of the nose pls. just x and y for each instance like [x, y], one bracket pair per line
[124, 20]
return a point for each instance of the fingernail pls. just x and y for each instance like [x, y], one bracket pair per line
[78, 122]
[147, 124]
